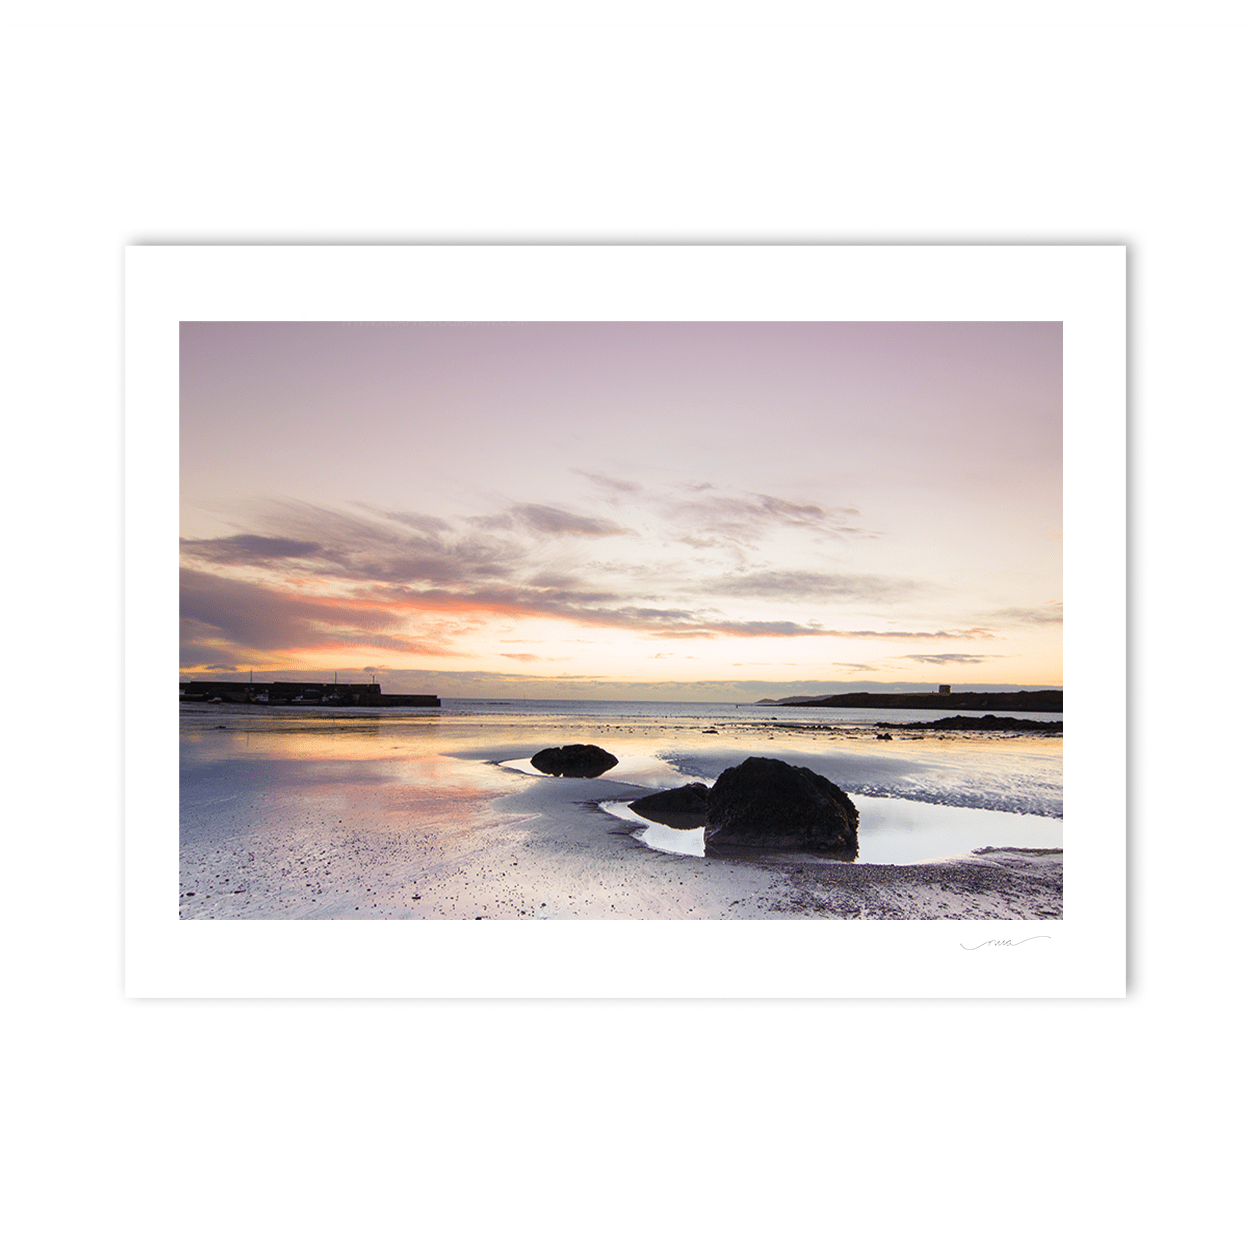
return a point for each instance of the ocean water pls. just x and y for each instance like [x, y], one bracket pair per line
[627, 711]
[620, 711]
[309, 812]
[891, 830]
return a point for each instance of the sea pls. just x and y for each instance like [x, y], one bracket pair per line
[762, 714]
[367, 793]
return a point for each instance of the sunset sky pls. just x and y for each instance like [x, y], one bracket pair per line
[633, 510]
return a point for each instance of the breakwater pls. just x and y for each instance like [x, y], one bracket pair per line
[323, 693]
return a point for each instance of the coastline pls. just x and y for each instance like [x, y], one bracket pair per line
[996, 883]
[999, 883]
[437, 822]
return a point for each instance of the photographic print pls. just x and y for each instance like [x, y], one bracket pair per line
[509, 619]
[586, 620]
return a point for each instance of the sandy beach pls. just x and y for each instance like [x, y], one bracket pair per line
[320, 818]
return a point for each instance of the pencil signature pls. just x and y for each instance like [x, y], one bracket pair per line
[1005, 942]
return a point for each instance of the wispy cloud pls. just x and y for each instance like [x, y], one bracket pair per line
[323, 577]
[800, 584]
[969, 634]
[252, 549]
[706, 517]
[544, 519]
[1043, 614]
[219, 611]
[336, 543]
[418, 521]
[611, 484]
[951, 658]
[266, 619]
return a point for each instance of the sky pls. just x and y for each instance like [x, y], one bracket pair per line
[725, 510]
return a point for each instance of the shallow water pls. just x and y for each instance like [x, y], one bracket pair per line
[594, 716]
[365, 813]
[636, 768]
[891, 831]
[623, 711]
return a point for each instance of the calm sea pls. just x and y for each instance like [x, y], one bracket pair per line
[747, 713]
[619, 712]
[257, 778]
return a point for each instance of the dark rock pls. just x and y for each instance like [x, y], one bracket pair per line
[885, 737]
[683, 808]
[578, 760]
[997, 701]
[998, 724]
[767, 805]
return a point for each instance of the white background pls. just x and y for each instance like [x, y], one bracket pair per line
[1084, 1123]
[1080, 287]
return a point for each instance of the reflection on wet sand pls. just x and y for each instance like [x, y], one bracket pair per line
[891, 831]
[386, 818]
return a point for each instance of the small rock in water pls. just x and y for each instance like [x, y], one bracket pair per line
[682, 808]
[578, 760]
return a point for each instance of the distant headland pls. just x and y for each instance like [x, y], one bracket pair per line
[969, 701]
[331, 694]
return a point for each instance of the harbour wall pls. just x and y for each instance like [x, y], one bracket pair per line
[333, 694]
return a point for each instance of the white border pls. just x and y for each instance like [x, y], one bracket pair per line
[1084, 956]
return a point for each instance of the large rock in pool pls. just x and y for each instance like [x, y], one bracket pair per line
[683, 808]
[768, 805]
[578, 760]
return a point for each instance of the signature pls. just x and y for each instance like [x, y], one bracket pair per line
[1005, 942]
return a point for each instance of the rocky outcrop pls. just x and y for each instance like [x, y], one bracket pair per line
[965, 701]
[579, 760]
[683, 808]
[998, 724]
[766, 805]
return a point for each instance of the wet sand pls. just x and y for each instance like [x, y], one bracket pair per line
[362, 820]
